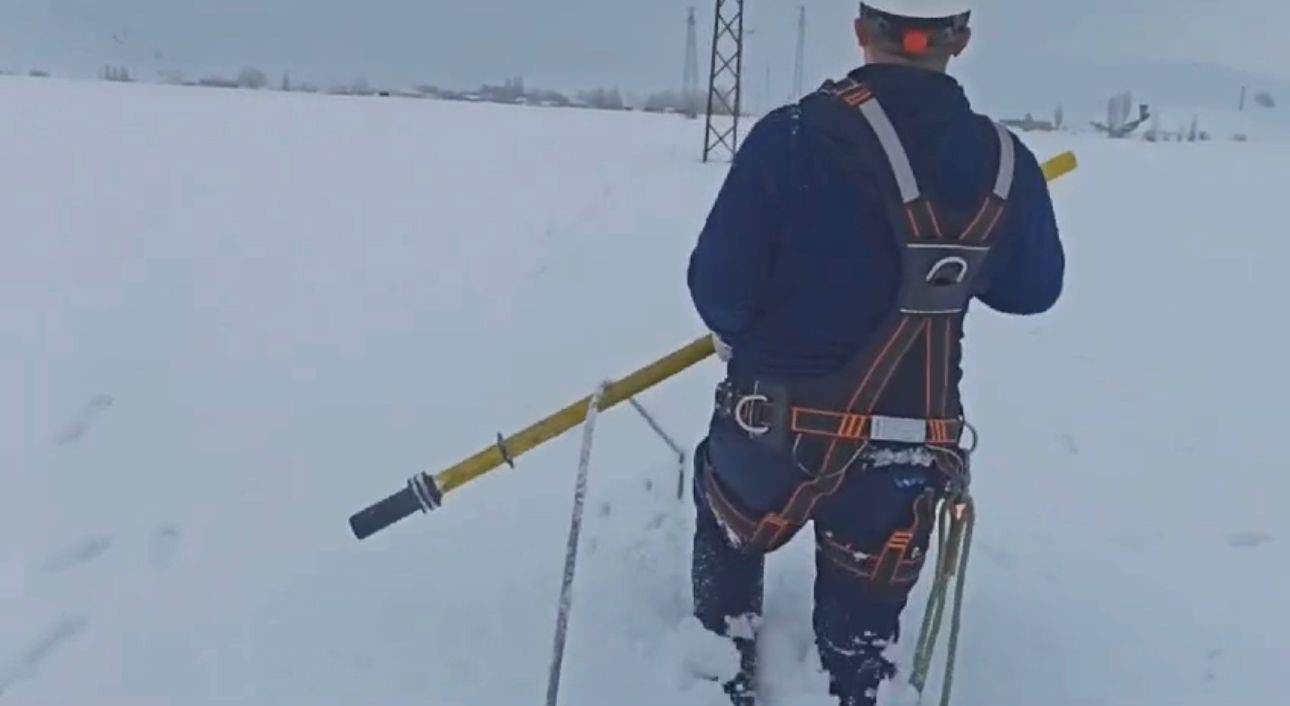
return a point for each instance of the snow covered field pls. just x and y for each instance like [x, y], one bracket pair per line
[230, 319]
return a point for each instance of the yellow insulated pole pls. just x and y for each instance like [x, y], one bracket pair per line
[424, 492]
[573, 415]
[1060, 166]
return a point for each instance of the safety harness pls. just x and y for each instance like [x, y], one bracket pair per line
[903, 388]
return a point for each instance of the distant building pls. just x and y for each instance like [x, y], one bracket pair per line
[1031, 124]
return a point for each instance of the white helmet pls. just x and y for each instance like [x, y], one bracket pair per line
[922, 9]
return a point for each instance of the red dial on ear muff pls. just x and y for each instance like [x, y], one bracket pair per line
[917, 41]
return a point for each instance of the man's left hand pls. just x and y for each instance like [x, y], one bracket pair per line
[724, 351]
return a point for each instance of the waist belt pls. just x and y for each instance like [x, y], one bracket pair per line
[759, 412]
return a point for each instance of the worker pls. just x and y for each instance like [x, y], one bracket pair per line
[834, 270]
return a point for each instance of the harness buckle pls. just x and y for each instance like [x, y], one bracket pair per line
[747, 410]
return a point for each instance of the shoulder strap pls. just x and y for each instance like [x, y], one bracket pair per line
[909, 213]
[1007, 163]
[897, 157]
[983, 227]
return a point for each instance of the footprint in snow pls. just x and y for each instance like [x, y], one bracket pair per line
[86, 550]
[80, 424]
[1250, 538]
[1211, 657]
[1068, 442]
[164, 545]
[1001, 557]
[27, 664]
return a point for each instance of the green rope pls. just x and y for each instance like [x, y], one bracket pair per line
[935, 606]
[959, 515]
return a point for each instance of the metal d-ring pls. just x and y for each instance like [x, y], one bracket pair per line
[741, 406]
[976, 439]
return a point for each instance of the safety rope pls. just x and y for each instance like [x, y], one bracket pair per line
[571, 551]
[952, 548]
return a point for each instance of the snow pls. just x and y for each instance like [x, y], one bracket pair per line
[231, 319]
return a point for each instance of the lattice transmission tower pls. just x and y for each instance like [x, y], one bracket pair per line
[725, 80]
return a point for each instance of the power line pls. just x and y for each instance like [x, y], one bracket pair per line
[799, 67]
[690, 84]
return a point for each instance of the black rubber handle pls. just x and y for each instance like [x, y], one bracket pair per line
[385, 513]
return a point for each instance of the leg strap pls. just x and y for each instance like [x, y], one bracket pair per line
[894, 567]
[773, 530]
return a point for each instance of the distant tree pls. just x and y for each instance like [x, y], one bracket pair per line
[286, 82]
[511, 91]
[671, 102]
[1118, 123]
[218, 82]
[172, 77]
[1118, 110]
[115, 73]
[1154, 134]
[357, 87]
[1265, 100]
[548, 97]
[602, 98]
[37, 73]
[252, 77]
[663, 102]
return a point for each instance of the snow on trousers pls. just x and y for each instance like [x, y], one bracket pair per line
[855, 616]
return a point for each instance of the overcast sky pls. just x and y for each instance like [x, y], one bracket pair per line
[636, 44]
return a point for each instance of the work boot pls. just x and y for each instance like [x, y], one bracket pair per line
[846, 697]
[742, 690]
[861, 688]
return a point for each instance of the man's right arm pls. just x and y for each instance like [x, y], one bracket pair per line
[1032, 270]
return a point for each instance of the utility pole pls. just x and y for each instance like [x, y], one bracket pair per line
[799, 67]
[766, 91]
[690, 85]
[725, 79]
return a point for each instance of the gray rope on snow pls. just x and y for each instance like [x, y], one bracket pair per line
[571, 551]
